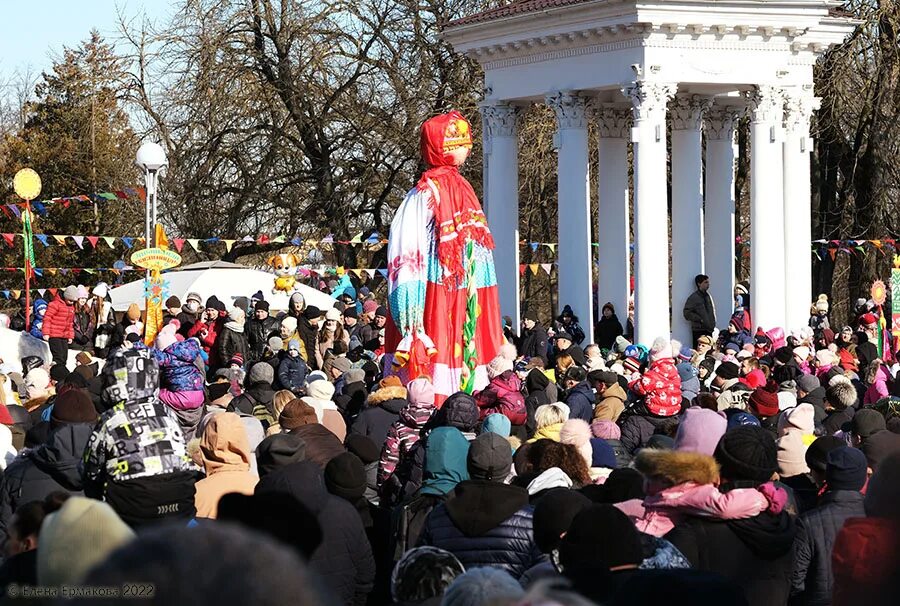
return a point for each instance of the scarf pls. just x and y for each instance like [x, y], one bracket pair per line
[232, 325]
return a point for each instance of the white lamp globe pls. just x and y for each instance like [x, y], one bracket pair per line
[151, 156]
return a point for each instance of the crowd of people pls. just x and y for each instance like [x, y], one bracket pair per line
[247, 456]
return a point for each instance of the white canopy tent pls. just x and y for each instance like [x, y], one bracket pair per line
[226, 281]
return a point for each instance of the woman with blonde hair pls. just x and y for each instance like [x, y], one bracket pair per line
[549, 420]
[279, 401]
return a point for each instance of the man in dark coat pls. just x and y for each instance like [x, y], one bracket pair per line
[344, 559]
[845, 475]
[580, 396]
[259, 329]
[308, 328]
[486, 522]
[383, 407]
[533, 341]
[52, 466]
[753, 552]
[699, 309]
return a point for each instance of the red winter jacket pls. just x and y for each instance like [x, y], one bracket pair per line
[661, 387]
[208, 343]
[502, 396]
[59, 321]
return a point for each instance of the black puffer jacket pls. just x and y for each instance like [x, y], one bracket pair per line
[258, 333]
[50, 467]
[812, 580]
[382, 410]
[638, 428]
[755, 553]
[344, 559]
[485, 523]
[309, 334]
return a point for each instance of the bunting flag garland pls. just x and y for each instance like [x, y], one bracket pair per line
[40, 206]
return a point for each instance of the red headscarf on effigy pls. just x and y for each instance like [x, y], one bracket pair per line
[458, 214]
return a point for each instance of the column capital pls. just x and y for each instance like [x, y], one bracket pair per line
[798, 109]
[499, 119]
[687, 111]
[650, 98]
[612, 122]
[720, 120]
[765, 103]
[570, 109]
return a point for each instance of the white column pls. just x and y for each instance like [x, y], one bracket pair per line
[651, 233]
[797, 215]
[613, 125]
[502, 197]
[574, 208]
[687, 204]
[719, 209]
[766, 208]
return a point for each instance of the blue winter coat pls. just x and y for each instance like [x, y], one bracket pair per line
[580, 401]
[38, 309]
[292, 373]
[176, 366]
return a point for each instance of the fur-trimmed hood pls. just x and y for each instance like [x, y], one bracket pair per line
[677, 467]
[377, 398]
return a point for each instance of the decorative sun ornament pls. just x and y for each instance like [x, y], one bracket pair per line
[879, 292]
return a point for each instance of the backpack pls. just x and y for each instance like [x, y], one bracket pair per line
[408, 521]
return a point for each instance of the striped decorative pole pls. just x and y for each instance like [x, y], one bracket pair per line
[470, 357]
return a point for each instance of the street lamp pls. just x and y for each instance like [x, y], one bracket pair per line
[151, 158]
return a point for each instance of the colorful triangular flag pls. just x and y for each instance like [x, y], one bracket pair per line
[195, 243]
[228, 244]
[110, 241]
[93, 240]
[79, 240]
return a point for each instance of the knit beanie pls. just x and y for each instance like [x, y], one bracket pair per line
[320, 390]
[289, 324]
[297, 413]
[791, 455]
[700, 430]
[577, 432]
[261, 305]
[363, 447]
[342, 364]
[764, 403]
[70, 294]
[498, 424]
[489, 457]
[807, 383]
[172, 302]
[747, 452]
[800, 418]
[602, 454]
[423, 574]
[661, 349]
[276, 344]
[420, 392]
[355, 375]
[237, 315]
[846, 469]
[312, 313]
[76, 538]
[817, 452]
[883, 491]
[279, 450]
[786, 399]
[606, 430]
[350, 312]
[166, 337]
[83, 358]
[381, 311]
[600, 537]
[728, 371]
[261, 372]
[345, 477]
[134, 312]
[498, 366]
[553, 515]
[73, 406]
[480, 586]
[100, 290]
[867, 422]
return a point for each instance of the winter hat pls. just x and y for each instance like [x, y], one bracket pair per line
[846, 469]
[420, 393]
[498, 366]
[822, 303]
[276, 344]
[261, 372]
[498, 424]
[700, 430]
[786, 399]
[764, 403]
[70, 294]
[355, 375]
[312, 313]
[817, 452]
[632, 365]
[686, 371]
[261, 305]
[237, 315]
[800, 418]
[381, 311]
[236, 360]
[345, 477]
[606, 430]
[791, 455]
[166, 337]
[802, 353]
[76, 538]
[73, 406]
[100, 290]
[459, 411]
[482, 585]
[883, 491]
[564, 335]
[350, 312]
[879, 446]
[577, 432]
[602, 454]
[370, 306]
[600, 537]
[553, 515]
[134, 312]
[363, 447]
[807, 383]
[279, 450]
[130, 377]
[341, 364]
[747, 453]
[621, 344]
[289, 323]
[728, 371]
[320, 390]
[297, 413]
[293, 344]
[58, 373]
[83, 358]
[423, 574]
[867, 422]
[82, 292]
[489, 457]
[333, 314]
[172, 302]
[218, 390]
[662, 349]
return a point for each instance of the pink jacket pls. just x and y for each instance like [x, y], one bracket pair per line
[658, 514]
[878, 389]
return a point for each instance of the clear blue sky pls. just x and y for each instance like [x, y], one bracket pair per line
[32, 31]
